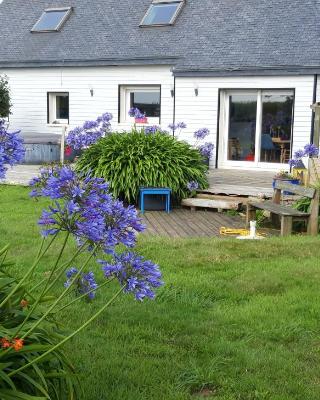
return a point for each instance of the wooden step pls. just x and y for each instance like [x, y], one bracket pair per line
[219, 205]
[237, 190]
[236, 199]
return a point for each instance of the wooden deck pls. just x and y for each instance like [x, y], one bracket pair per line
[182, 223]
[240, 182]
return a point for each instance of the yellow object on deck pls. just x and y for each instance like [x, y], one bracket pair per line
[240, 232]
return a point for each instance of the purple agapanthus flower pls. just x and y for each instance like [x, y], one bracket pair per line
[310, 150]
[137, 275]
[83, 206]
[136, 113]
[11, 149]
[179, 125]
[85, 283]
[299, 154]
[206, 150]
[202, 133]
[192, 186]
[91, 131]
[294, 162]
[151, 130]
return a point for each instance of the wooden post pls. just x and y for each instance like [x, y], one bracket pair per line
[251, 214]
[316, 133]
[313, 225]
[286, 226]
[63, 136]
[277, 200]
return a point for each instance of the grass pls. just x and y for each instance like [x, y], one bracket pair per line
[235, 320]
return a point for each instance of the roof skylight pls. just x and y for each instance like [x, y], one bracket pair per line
[52, 20]
[162, 12]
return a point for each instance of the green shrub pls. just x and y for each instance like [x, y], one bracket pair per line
[5, 102]
[131, 160]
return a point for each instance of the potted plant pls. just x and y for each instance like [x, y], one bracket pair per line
[139, 117]
[285, 176]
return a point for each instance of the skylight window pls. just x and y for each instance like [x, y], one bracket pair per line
[52, 20]
[162, 13]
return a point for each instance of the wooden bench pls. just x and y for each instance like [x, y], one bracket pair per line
[288, 214]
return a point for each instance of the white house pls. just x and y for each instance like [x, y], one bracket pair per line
[245, 69]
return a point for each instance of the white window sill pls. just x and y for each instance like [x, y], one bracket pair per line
[58, 125]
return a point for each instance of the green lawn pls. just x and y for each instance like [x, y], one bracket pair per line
[238, 319]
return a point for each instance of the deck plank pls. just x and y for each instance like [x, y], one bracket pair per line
[182, 223]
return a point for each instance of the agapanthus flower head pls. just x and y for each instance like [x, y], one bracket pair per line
[151, 130]
[192, 186]
[299, 154]
[85, 283]
[206, 150]
[294, 162]
[310, 150]
[136, 113]
[137, 275]
[83, 206]
[202, 133]
[11, 149]
[91, 131]
[179, 125]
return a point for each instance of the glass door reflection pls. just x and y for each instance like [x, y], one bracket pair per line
[242, 127]
[276, 134]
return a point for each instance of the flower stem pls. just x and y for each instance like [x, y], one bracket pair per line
[84, 295]
[58, 299]
[34, 306]
[61, 268]
[26, 276]
[96, 315]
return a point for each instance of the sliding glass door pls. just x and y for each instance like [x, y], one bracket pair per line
[256, 128]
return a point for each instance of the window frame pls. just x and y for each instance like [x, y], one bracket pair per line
[52, 109]
[125, 102]
[223, 125]
[157, 2]
[61, 23]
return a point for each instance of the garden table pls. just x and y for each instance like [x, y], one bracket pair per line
[155, 191]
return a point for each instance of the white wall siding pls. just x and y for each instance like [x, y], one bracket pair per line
[202, 111]
[29, 89]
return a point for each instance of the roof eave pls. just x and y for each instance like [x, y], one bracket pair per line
[138, 61]
[250, 71]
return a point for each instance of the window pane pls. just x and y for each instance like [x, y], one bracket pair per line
[242, 127]
[50, 20]
[62, 104]
[160, 14]
[277, 110]
[147, 102]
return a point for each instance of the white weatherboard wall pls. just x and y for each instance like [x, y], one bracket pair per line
[202, 111]
[29, 87]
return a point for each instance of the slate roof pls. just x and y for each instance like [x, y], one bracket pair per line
[209, 36]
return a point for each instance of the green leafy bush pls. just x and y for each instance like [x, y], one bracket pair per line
[131, 160]
[5, 102]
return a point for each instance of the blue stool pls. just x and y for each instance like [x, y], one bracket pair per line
[152, 191]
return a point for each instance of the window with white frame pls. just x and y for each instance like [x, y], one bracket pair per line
[58, 108]
[146, 98]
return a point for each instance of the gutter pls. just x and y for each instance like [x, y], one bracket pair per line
[170, 60]
[248, 71]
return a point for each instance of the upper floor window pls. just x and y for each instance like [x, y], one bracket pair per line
[162, 12]
[52, 20]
